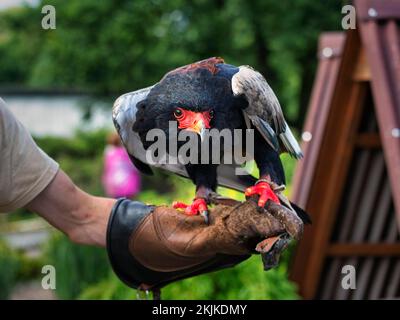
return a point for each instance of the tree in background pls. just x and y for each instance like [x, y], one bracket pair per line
[113, 46]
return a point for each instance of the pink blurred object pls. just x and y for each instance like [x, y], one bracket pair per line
[120, 177]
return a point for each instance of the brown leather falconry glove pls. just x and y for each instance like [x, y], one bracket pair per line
[150, 246]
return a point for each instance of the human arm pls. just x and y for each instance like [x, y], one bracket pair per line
[79, 215]
[30, 178]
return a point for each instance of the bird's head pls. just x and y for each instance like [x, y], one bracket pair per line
[195, 121]
[197, 100]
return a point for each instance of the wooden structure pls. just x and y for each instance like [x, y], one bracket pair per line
[349, 179]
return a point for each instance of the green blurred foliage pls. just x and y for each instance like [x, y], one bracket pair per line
[115, 46]
[246, 281]
[9, 265]
[16, 266]
[77, 266]
[81, 158]
[29, 267]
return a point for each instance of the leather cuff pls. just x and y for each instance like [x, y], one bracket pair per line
[125, 217]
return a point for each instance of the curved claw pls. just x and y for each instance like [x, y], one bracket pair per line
[263, 189]
[204, 214]
[198, 206]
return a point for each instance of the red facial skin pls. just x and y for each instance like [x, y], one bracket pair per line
[263, 189]
[190, 120]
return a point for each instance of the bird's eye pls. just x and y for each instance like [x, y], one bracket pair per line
[211, 113]
[178, 113]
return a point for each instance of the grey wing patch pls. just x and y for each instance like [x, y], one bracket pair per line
[227, 174]
[290, 143]
[246, 120]
[227, 177]
[266, 131]
[124, 116]
[264, 110]
[261, 98]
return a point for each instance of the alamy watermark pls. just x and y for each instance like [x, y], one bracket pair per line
[49, 278]
[49, 19]
[349, 18]
[213, 146]
[349, 277]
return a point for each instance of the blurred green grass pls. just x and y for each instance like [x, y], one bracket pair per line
[9, 265]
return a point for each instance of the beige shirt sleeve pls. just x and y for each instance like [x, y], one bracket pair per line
[25, 170]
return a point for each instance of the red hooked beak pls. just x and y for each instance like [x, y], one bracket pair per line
[193, 121]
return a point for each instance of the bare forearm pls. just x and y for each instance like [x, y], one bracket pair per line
[81, 216]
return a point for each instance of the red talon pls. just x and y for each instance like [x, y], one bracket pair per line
[198, 206]
[263, 189]
[179, 205]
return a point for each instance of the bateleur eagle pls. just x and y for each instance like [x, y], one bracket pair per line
[204, 95]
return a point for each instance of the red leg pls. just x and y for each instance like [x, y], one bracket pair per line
[198, 206]
[263, 189]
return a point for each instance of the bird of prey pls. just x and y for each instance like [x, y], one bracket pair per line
[204, 95]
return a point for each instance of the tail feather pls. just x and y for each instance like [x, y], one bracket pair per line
[290, 143]
[303, 215]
